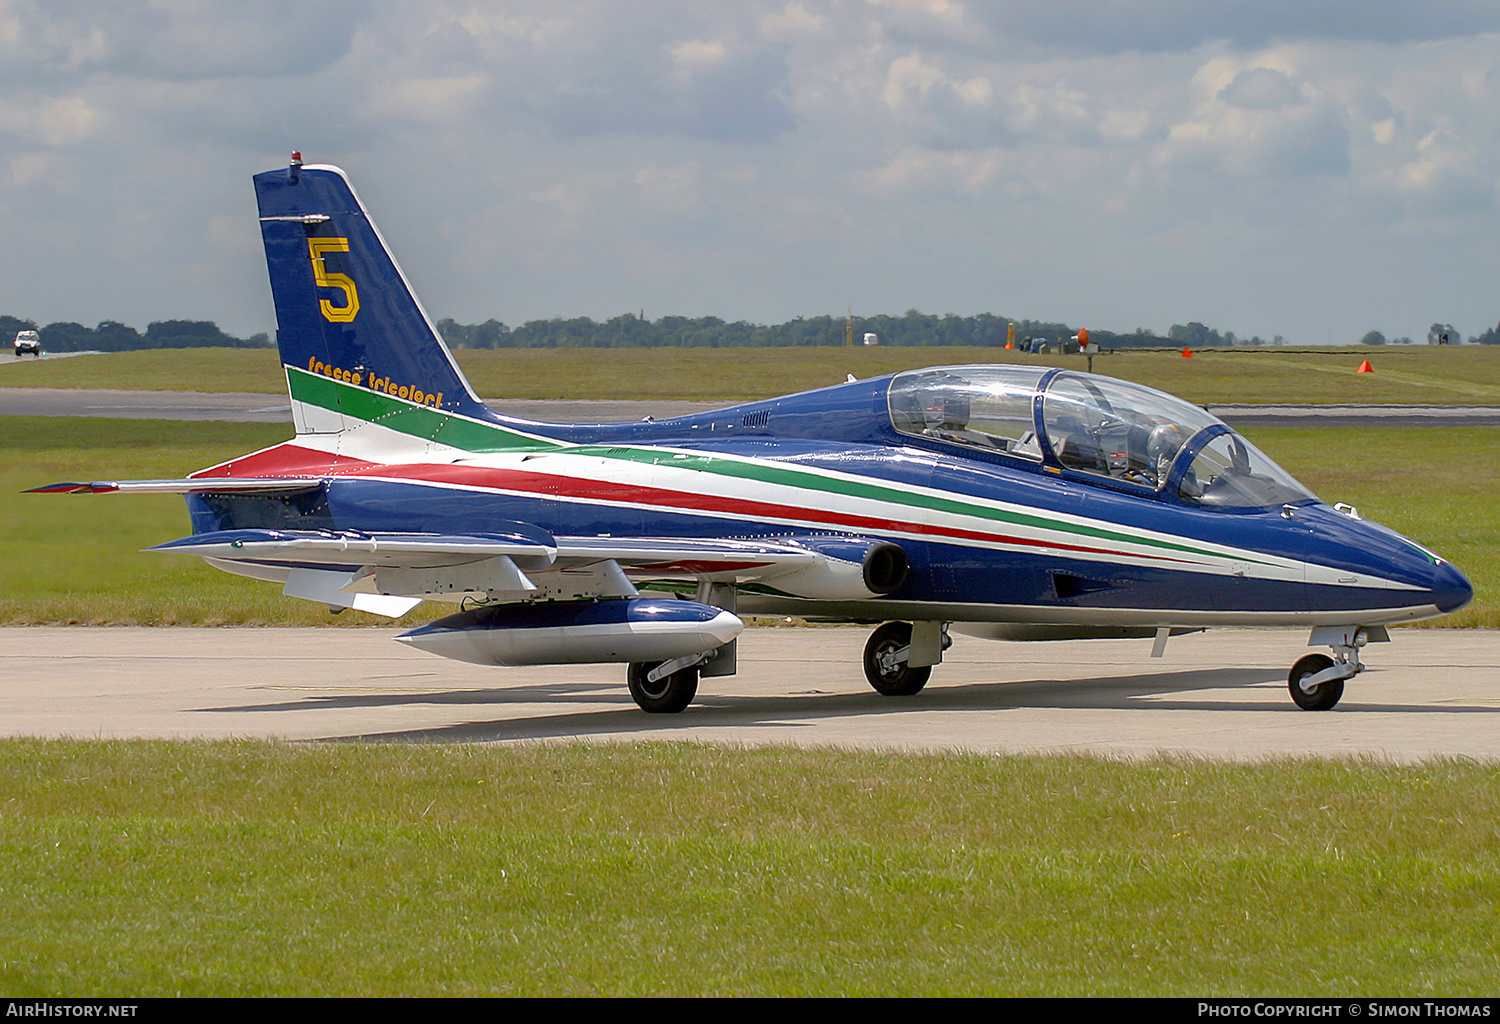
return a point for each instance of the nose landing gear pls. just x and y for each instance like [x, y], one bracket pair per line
[1316, 681]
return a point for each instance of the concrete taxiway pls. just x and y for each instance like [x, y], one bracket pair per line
[262, 408]
[1222, 694]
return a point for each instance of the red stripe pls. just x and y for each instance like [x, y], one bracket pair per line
[293, 460]
[546, 484]
[287, 460]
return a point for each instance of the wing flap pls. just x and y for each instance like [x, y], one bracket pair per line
[683, 558]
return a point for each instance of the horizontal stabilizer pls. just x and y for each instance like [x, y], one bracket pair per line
[198, 485]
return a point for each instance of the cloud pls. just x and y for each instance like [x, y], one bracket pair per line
[49, 122]
[174, 39]
[722, 90]
[773, 157]
[1261, 89]
[1256, 121]
[1120, 26]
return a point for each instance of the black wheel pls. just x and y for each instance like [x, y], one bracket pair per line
[1321, 697]
[668, 695]
[890, 677]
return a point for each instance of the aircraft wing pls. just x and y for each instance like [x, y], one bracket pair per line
[647, 557]
[683, 558]
[391, 572]
[356, 548]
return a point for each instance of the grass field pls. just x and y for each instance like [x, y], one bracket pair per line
[257, 869]
[66, 560]
[1461, 375]
[74, 558]
[153, 869]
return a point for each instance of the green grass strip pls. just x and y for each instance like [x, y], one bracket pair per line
[1443, 375]
[250, 869]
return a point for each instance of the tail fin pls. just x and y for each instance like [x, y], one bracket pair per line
[344, 311]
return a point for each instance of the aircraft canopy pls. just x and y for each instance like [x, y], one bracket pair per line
[1093, 425]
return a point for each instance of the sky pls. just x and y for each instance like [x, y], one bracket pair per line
[1314, 169]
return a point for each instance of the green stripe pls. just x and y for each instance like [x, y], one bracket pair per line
[478, 437]
[405, 417]
[807, 480]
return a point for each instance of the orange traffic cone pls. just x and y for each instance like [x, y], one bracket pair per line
[1365, 367]
[1187, 353]
[1009, 345]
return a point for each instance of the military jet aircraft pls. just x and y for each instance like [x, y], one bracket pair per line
[1007, 501]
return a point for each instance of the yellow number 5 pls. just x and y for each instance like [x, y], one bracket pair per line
[316, 247]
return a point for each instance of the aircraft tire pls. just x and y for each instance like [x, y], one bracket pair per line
[903, 680]
[666, 696]
[1325, 696]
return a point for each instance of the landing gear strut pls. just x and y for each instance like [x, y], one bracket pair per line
[1316, 682]
[899, 656]
[663, 687]
[1314, 696]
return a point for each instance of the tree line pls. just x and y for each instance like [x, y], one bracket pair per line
[112, 336]
[912, 329]
[630, 330]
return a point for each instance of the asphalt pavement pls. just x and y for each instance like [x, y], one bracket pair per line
[1221, 694]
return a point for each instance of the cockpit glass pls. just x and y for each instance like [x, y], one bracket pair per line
[1096, 425]
[1232, 473]
[986, 407]
[1111, 428]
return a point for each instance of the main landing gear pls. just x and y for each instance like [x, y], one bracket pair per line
[1316, 681]
[664, 687]
[899, 656]
[898, 662]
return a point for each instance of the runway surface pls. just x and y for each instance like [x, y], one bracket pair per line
[1222, 694]
[265, 408]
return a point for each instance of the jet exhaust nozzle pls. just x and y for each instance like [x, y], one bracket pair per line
[885, 568]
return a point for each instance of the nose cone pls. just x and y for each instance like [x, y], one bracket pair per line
[1408, 581]
[1451, 590]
